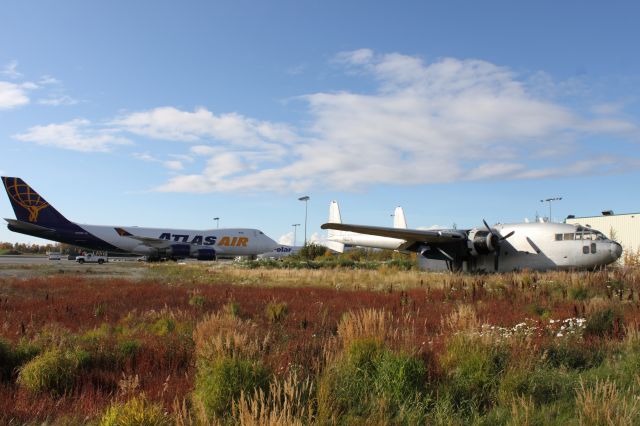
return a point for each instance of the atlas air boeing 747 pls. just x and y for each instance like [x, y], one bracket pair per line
[36, 217]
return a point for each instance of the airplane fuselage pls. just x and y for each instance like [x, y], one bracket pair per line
[540, 246]
[225, 242]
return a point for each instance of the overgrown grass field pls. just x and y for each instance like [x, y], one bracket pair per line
[201, 344]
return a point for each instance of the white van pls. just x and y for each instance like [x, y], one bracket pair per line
[55, 255]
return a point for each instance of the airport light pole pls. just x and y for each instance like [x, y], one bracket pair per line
[217, 219]
[305, 199]
[550, 200]
[295, 228]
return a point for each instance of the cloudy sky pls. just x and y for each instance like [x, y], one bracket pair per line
[169, 114]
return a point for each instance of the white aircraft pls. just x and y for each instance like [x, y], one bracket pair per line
[36, 217]
[280, 252]
[337, 240]
[508, 247]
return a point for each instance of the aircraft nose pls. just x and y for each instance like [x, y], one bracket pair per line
[616, 250]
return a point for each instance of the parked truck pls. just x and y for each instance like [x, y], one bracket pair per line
[91, 258]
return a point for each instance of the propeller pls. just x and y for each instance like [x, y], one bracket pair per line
[498, 238]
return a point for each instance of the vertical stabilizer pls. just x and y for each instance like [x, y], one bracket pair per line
[29, 206]
[399, 221]
[334, 213]
[334, 217]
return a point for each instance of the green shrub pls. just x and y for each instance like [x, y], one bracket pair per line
[219, 382]
[6, 360]
[542, 385]
[24, 352]
[163, 326]
[135, 412]
[53, 371]
[232, 309]
[197, 300]
[472, 369]
[128, 348]
[579, 293]
[574, 355]
[276, 311]
[369, 382]
[602, 323]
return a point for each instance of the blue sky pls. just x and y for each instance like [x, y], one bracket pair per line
[172, 113]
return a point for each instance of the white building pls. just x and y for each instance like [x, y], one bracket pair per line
[623, 228]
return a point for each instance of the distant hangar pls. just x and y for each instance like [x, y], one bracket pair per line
[624, 228]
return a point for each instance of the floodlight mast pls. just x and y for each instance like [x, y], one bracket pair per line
[305, 199]
[550, 200]
[295, 228]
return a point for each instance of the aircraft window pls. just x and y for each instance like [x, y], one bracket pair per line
[558, 237]
[600, 236]
[593, 247]
[568, 236]
[585, 249]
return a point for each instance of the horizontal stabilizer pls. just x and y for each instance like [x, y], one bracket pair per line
[20, 226]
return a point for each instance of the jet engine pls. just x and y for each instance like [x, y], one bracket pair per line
[205, 254]
[179, 251]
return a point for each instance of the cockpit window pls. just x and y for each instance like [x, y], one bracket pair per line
[558, 237]
[569, 236]
[584, 233]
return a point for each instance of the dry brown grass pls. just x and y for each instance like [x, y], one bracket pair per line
[376, 324]
[463, 319]
[341, 279]
[222, 334]
[522, 410]
[604, 404]
[288, 402]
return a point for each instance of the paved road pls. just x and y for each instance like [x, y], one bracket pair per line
[44, 260]
[26, 260]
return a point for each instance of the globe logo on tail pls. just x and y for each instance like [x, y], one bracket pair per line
[26, 198]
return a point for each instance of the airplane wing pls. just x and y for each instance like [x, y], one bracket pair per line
[410, 235]
[151, 242]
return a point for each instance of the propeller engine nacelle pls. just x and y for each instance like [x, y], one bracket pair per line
[482, 242]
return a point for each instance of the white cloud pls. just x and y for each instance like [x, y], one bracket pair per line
[11, 70]
[286, 239]
[173, 165]
[13, 95]
[46, 80]
[170, 123]
[426, 122]
[76, 135]
[57, 100]
[203, 149]
[445, 121]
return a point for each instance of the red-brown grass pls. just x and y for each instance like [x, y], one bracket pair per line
[165, 364]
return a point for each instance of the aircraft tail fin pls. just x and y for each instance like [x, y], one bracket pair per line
[29, 206]
[334, 217]
[399, 221]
